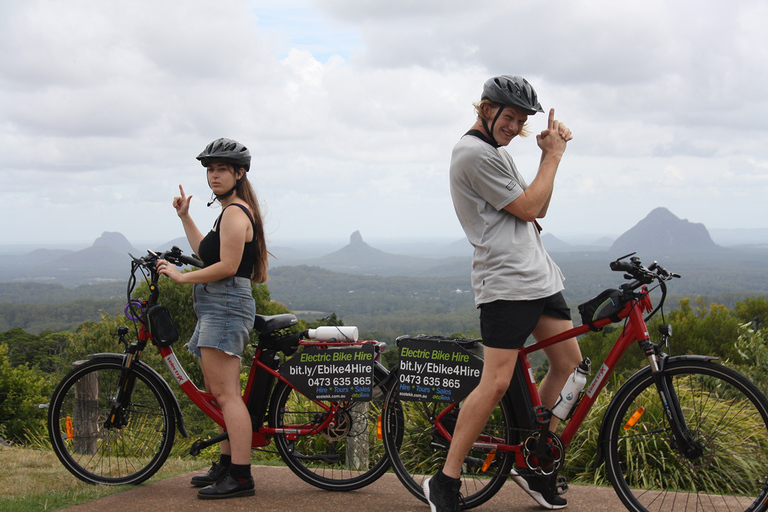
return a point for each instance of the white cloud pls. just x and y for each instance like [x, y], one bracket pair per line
[351, 110]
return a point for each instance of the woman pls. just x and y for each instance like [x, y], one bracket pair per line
[234, 253]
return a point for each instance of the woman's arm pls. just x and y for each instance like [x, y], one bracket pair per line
[181, 204]
[234, 229]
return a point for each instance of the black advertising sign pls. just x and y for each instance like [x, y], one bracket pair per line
[436, 370]
[332, 373]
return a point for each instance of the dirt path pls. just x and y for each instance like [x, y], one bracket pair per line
[279, 490]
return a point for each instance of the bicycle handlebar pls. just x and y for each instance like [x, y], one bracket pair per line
[173, 256]
[642, 275]
[149, 262]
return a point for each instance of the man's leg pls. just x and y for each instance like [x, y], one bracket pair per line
[563, 358]
[442, 490]
[498, 367]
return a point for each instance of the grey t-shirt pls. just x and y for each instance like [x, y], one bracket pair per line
[509, 262]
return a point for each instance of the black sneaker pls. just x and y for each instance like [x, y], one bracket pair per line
[216, 473]
[227, 487]
[442, 497]
[538, 487]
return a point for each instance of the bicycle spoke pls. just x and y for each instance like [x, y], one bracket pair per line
[724, 415]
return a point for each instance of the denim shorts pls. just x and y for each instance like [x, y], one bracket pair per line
[225, 312]
[508, 323]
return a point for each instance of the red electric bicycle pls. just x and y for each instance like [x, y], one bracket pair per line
[683, 434]
[112, 419]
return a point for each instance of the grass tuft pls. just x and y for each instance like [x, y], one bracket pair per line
[34, 479]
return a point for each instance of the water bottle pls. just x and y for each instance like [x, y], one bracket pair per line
[573, 386]
[334, 333]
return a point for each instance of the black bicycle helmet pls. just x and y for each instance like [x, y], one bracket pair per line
[513, 91]
[227, 151]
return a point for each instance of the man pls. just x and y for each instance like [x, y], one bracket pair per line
[517, 285]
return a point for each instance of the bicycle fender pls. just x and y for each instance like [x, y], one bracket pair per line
[160, 381]
[639, 375]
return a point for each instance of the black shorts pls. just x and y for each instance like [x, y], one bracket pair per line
[508, 323]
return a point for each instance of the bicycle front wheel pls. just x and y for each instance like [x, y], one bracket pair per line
[344, 457]
[416, 451]
[727, 417]
[102, 444]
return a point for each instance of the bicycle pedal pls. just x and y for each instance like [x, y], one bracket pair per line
[438, 443]
[196, 447]
[542, 415]
[561, 487]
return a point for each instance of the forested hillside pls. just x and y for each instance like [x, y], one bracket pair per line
[36, 307]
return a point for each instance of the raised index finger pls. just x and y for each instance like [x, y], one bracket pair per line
[181, 190]
[551, 119]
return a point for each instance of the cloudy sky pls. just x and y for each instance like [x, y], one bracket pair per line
[351, 109]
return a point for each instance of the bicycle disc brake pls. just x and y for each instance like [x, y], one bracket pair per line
[549, 460]
[340, 428]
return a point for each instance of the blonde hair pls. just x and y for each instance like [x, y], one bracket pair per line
[486, 104]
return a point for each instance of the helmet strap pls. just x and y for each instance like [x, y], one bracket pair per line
[225, 195]
[493, 125]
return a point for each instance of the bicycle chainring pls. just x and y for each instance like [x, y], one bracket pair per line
[548, 462]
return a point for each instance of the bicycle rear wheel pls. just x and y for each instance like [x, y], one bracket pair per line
[416, 451]
[97, 449]
[347, 456]
[726, 415]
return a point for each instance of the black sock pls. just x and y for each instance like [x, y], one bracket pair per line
[240, 472]
[443, 478]
[225, 460]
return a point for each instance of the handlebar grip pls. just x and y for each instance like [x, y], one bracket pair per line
[188, 260]
[622, 266]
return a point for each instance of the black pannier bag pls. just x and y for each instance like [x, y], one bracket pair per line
[606, 305]
[161, 326]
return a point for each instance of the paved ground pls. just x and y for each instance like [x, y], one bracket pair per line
[279, 490]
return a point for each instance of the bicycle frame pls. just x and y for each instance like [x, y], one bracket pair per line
[635, 330]
[206, 402]
[523, 390]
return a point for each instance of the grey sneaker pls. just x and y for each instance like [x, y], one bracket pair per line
[442, 497]
[537, 487]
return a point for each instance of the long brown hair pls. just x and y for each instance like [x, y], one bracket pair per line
[246, 193]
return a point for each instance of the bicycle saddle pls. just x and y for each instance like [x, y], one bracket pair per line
[264, 323]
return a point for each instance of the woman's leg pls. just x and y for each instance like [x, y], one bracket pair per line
[222, 378]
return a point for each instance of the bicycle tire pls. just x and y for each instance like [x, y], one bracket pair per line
[728, 416]
[97, 454]
[343, 458]
[416, 454]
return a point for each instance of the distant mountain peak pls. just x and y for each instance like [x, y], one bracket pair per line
[356, 238]
[114, 241]
[662, 232]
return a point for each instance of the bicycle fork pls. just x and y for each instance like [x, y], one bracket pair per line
[684, 441]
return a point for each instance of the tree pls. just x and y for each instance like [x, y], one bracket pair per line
[21, 391]
[753, 310]
[707, 329]
[43, 351]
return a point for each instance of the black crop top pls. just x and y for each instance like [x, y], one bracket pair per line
[210, 247]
